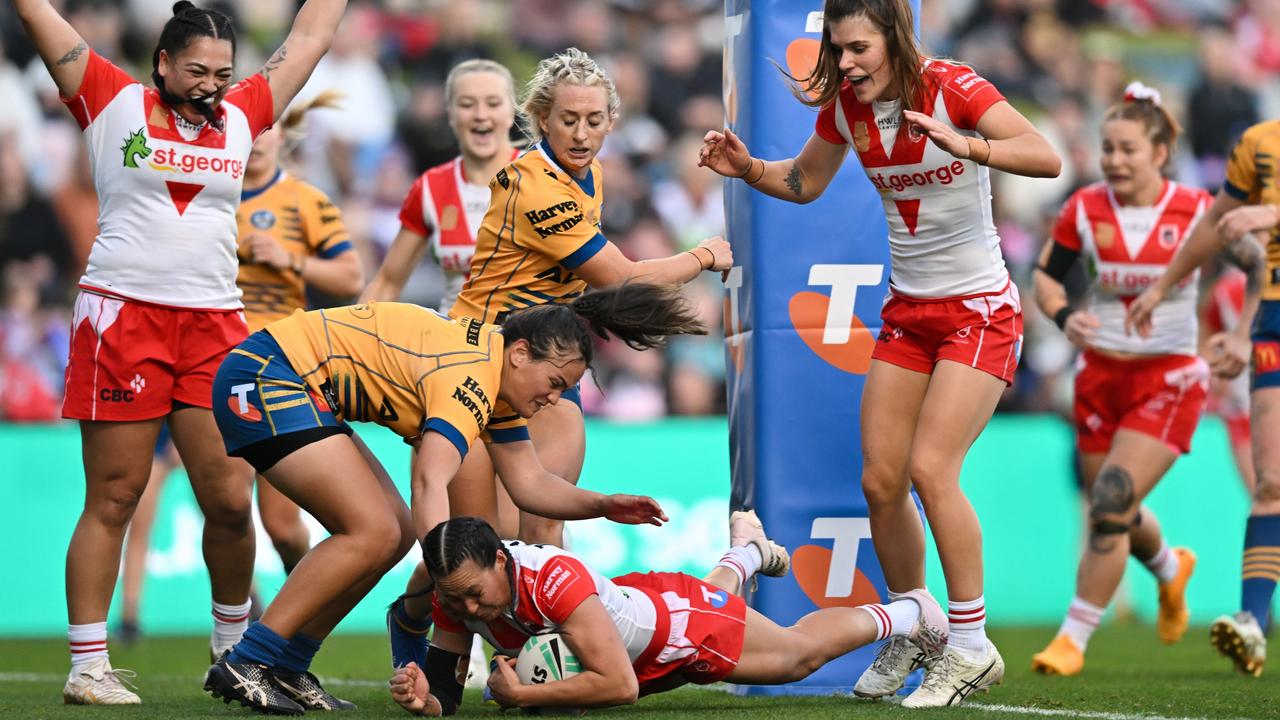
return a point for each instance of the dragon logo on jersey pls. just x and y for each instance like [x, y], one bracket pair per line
[134, 147]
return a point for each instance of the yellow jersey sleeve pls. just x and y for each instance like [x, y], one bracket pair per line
[552, 222]
[325, 232]
[1242, 170]
[505, 426]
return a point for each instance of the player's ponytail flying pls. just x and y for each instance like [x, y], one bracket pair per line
[642, 315]
[292, 120]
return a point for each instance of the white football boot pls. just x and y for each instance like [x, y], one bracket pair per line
[952, 678]
[100, 684]
[898, 657]
[745, 528]
[1240, 639]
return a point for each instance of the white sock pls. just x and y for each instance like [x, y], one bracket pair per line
[743, 561]
[1164, 564]
[1081, 620]
[897, 618]
[88, 642]
[229, 623]
[968, 619]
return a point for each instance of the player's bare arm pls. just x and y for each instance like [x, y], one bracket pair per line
[801, 179]
[403, 256]
[539, 492]
[607, 677]
[1228, 352]
[609, 266]
[1203, 243]
[309, 39]
[1012, 143]
[435, 462]
[61, 48]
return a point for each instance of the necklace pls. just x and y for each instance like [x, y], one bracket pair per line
[185, 124]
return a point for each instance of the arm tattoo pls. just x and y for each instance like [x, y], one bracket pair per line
[275, 62]
[793, 180]
[1246, 254]
[72, 55]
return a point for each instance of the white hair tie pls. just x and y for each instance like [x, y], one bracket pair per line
[1137, 91]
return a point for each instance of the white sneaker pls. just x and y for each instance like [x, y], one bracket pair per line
[745, 528]
[932, 627]
[950, 680]
[898, 658]
[1240, 639]
[99, 684]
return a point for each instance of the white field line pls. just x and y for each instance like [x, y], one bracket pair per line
[994, 708]
[1087, 714]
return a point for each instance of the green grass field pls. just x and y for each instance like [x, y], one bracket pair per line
[1129, 675]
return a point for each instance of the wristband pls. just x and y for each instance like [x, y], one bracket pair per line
[697, 257]
[751, 162]
[986, 159]
[1060, 317]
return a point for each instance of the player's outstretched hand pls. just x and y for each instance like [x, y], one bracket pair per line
[410, 690]
[1228, 354]
[634, 510]
[724, 153]
[942, 135]
[504, 684]
[1138, 317]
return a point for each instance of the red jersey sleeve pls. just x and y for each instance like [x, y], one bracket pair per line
[253, 96]
[1065, 231]
[825, 126]
[102, 82]
[444, 620]
[411, 211]
[968, 96]
[561, 586]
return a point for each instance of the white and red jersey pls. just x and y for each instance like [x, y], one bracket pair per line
[1222, 312]
[550, 584]
[942, 237]
[447, 210]
[1126, 249]
[166, 201]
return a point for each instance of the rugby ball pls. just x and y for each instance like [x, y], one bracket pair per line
[546, 658]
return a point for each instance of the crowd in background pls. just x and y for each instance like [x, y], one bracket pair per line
[1060, 61]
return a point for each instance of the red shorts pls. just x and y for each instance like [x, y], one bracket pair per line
[699, 634]
[132, 360]
[1161, 396]
[981, 331]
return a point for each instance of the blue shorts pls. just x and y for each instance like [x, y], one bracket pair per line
[262, 406]
[1265, 370]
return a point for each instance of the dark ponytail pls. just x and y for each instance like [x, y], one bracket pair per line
[457, 540]
[188, 23]
[639, 314]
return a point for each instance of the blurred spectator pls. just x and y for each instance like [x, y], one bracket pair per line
[29, 227]
[1220, 106]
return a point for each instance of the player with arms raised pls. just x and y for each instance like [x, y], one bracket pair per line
[159, 307]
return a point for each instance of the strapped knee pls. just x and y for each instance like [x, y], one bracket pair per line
[1109, 502]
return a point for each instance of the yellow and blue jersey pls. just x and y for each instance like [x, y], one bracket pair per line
[402, 366]
[541, 225]
[303, 220]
